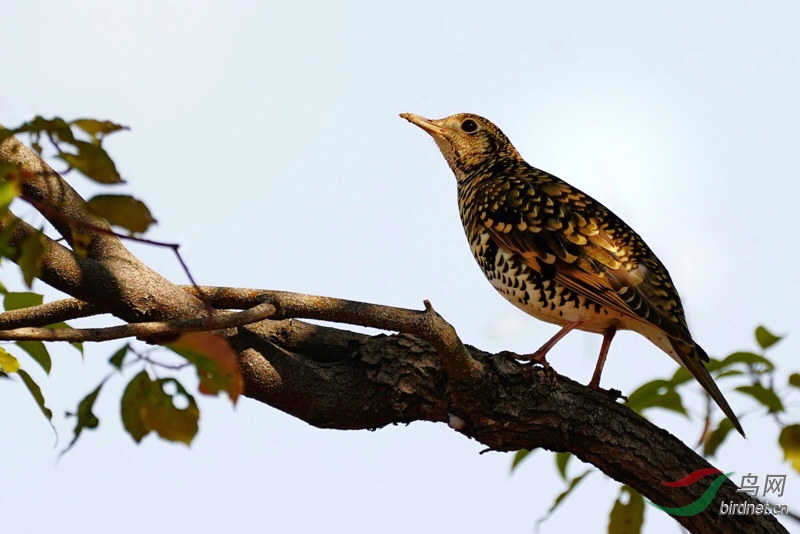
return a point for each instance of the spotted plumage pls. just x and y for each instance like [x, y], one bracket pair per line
[558, 254]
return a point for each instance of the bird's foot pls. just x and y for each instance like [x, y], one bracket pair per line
[538, 357]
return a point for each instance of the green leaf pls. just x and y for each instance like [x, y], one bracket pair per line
[122, 210]
[57, 127]
[86, 418]
[9, 190]
[77, 346]
[6, 250]
[748, 358]
[98, 129]
[765, 338]
[789, 441]
[93, 162]
[794, 380]
[18, 301]
[8, 363]
[627, 518]
[656, 394]
[765, 396]
[572, 485]
[716, 437]
[216, 363]
[30, 257]
[118, 357]
[36, 392]
[518, 457]
[562, 459]
[681, 376]
[147, 407]
[38, 352]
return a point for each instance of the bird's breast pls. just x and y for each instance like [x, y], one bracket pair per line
[534, 290]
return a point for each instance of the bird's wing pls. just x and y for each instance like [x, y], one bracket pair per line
[592, 253]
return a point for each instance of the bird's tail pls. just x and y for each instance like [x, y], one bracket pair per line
[692, 358]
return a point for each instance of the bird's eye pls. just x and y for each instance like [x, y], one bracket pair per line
[469, 126]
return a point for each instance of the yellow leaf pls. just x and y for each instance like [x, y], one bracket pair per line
[8, 363]
[790, 443]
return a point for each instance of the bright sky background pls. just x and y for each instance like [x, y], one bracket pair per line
[265, 139]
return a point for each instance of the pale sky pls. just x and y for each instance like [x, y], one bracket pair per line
[265, 138]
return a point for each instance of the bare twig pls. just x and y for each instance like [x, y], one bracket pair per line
[142, 330]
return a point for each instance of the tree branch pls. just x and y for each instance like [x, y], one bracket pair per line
[144, 331]
[337, 379]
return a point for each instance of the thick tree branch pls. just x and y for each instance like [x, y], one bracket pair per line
[337, 379]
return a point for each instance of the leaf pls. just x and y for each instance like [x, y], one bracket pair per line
[518, 457]
[765, 338]
[30, 257]
[9, 190]
[572, 485]
[765, 396]
[122, 210]
[80, 242]
[216, 363]
[17, 301]
[748, 358]
[562, 459]
[681, 376]
[6, 250]
[36, 392]
[147, 407]
[98, 129]
[93, 162]
[627, 518]
[715, 439]
[77, 346]
[794, 380]
[8, 363]
[38, 352]
[86, 418]
[789, 441]
[57, 127]
[118, 357]
[656, 394]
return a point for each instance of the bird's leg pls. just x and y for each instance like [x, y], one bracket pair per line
[539, 355]
[608, 335]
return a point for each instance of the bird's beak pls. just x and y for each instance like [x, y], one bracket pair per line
[426, 124]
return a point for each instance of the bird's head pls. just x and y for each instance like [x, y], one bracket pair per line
[468, 142]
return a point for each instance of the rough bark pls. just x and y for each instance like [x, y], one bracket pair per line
[334, 378]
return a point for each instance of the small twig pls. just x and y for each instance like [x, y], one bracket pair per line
[142, 330]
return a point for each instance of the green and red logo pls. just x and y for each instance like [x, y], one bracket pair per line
[704, 500]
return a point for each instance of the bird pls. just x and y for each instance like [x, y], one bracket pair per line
[558, 254]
